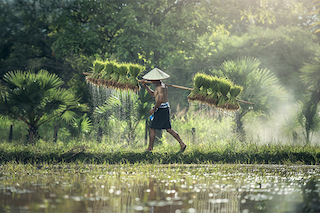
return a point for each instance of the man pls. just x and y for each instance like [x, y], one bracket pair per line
[160, 115]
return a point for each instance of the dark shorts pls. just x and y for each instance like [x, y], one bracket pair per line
[161, 119]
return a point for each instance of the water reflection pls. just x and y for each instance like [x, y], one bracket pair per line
[149, 188]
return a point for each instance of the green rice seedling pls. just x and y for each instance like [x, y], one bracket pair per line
[135, 69]
[114, 77]
[234, 92]
[133, 81]
[199, 78]
[97, 67]
[225, 86]
[122, 70]
[115, 74]
[213, 91]
[110, 66]
[106, 73]
[214, 85]
[201, 82]
[206, 85]
[198, 82]
[122, 79]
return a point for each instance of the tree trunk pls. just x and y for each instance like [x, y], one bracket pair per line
[11, 133]
[99, 135]
[239, 126]
[55, 134]
[33, 135]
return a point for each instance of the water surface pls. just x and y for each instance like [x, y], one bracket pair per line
[159, 188]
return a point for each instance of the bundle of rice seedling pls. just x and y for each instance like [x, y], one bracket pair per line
[225, 86]
[97, 67]
[235, 90]
[106, 73]
[197, 93]
[122, 71]
[214, 91]
[206, 83]
[135, 70]
[115, 75]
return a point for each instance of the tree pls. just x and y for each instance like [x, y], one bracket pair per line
[261, 87]
[309, 116]
[86, 27]
[24, 30]
[152, 30]
[283, 51]
[129, 107]
[36, 98]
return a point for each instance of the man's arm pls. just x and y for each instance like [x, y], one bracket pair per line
[150, 91]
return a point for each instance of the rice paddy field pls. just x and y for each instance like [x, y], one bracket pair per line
[236, 188]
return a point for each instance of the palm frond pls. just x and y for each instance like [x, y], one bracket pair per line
[310, 73]
[260, 86]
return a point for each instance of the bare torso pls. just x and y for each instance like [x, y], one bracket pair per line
[161, 93]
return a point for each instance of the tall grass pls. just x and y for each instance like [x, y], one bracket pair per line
[213, 141]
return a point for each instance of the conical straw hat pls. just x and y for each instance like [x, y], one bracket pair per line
[156, 74]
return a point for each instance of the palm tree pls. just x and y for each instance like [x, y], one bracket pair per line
[309, 117]
[261, 87]
[36, 99]
[129, 107]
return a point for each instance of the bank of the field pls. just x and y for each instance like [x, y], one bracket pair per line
[98, 154]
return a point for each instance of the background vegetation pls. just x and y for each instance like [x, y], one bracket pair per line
[270, 48]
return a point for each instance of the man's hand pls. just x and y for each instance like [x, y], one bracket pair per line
[152, 111]
[143, 82]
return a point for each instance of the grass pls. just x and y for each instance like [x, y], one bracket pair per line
[212, 142]
[90, 152]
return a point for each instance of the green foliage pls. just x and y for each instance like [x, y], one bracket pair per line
[310, 74]
[80, 27]
[80, 126]
[184, 37]
[260, 87]
[90, 152]
[309, 118]
[36, 99]
[123, 106]
[283, 51]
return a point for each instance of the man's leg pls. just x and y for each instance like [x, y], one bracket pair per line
[152, 137]
[177, 137]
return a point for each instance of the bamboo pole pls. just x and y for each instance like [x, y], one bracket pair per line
[170, 85]
[177, 86]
